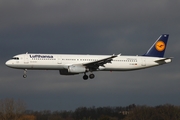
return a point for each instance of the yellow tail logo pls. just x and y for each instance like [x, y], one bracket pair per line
[160, 46]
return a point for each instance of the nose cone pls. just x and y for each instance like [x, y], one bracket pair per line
[8, 63]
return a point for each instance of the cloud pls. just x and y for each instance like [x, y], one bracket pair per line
[88, 12]
[89, 27]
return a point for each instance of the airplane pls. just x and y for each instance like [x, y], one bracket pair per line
[72, 64]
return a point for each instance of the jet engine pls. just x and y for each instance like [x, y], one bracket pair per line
[76, 69]
[65, 72]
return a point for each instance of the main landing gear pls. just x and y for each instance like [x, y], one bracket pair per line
[91, 76]
[25, 73]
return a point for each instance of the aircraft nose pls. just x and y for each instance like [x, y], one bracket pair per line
[8, 63]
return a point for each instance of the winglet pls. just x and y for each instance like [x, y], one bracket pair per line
[119, 54]
[159, 47]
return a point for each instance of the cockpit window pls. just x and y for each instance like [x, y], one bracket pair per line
[15, 58]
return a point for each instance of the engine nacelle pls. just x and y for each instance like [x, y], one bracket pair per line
[76, 69]
[65, 72]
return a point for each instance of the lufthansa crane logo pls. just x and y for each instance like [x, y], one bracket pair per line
[160, 46]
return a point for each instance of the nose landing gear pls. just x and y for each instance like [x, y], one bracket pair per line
[25, 75]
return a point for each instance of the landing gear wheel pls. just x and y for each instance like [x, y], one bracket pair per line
[85, 77]
[24, 76]
[91, 76]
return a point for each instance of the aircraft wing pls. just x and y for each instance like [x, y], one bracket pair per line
[101, 62]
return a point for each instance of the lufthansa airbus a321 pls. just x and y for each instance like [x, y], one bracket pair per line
[70, 64]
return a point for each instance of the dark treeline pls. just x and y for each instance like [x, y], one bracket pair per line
[11, 109]
[84, 113]
[131, 112]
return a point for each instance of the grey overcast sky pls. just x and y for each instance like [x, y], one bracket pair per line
[89, 27]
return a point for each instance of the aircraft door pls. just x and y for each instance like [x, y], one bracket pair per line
[26, 59]
[143, 63]
[59, 61]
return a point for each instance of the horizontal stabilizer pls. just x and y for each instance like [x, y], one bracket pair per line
[164, 60]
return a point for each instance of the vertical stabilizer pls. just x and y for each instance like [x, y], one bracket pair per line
[159, 47]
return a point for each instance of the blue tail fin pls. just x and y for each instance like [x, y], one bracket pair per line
[159, 47]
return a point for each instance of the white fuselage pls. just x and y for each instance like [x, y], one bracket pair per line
[62, 61]
[70, 64]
